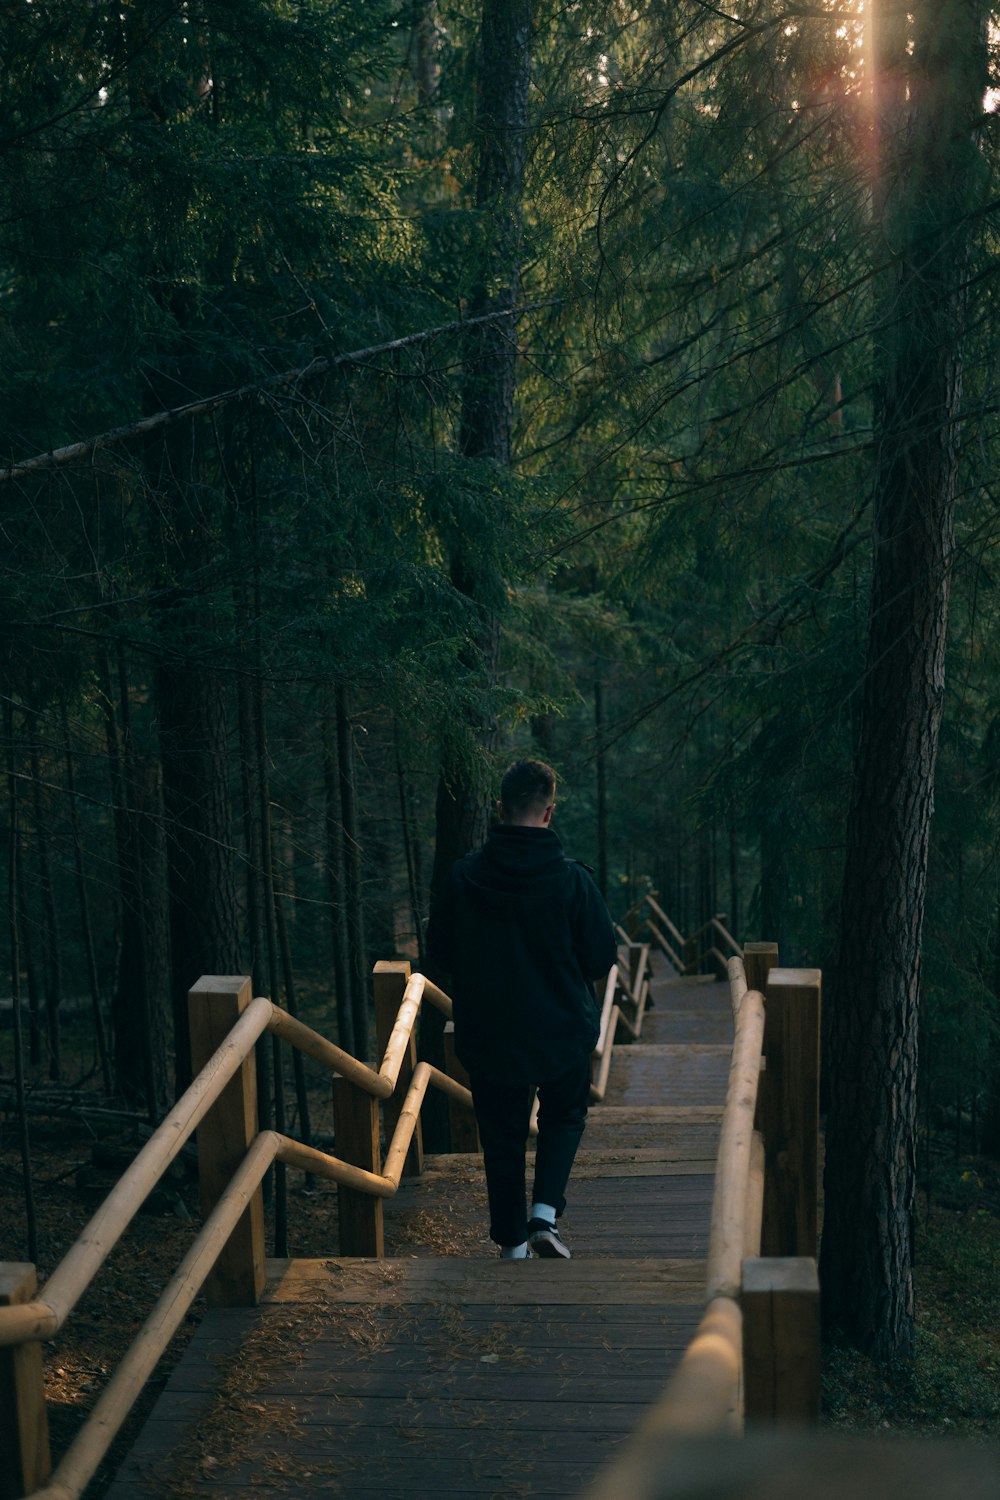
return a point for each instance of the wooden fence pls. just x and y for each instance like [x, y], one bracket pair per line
[760, 1328]
[698, 954]
[756, 1355]
[227, 1256]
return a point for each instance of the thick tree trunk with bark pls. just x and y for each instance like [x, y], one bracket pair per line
[501, 133]
[204, 925]
[335, 883]
[86, 926]
[927, 169]
[141, 1019]
[52, 968]
[487, 415]
[487, 418]
[357, 959]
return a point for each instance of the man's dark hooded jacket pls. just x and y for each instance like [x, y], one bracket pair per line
[522, 930]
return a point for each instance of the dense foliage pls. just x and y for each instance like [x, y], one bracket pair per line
[241, 649]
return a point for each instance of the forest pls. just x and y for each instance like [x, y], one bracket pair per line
[395, 387]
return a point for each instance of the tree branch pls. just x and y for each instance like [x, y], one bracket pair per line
[57, 457]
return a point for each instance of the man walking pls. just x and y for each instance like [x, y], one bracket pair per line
[523, 932]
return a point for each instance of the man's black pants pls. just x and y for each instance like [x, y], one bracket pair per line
[503, 1113]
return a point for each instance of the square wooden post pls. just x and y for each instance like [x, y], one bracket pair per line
[24, 1426]
[356, 1140]
[389, 981]
[788, 1112]
[781, 1360]
[462, 1121]
[758, 961]
[215, 1004]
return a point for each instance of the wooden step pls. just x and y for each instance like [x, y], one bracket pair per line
[655, 1075]
[496, 1283]
[667, 1025]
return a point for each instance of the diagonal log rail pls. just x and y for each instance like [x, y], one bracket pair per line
[741, 1364]
[688, 955]
[603, 1052]
[44, 1315]
[704, 1393]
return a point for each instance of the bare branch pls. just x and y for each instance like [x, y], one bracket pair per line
[57, 457]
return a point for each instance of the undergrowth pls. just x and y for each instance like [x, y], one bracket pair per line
[953, 1383]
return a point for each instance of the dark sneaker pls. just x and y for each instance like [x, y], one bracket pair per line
[543, 1238]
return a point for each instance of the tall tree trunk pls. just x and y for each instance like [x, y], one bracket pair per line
[773, 876]
[602, 790]
[254, 866]
[141, 1020]
[192, 705]
[991, 1111]
[97, 1010]
[204, 928]
[410, 850]
[13, 927]
[485, 428]
[270, 933]
[501, 136]
[179, 491]
[335, 884]
[26, 925]
[52, 968]
[426, 45]
[357, 962]
[926, 169]
[734, 915]
[292, 1006]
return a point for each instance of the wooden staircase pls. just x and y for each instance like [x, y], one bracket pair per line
[454, 1374]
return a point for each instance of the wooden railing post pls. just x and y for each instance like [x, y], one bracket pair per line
[389, 981]
[691, 956]
[214, 1006]
[462, 1122]
[758, 961]
[781, 1359]
[24, 1427]
[356, 1140]
[788, 1114]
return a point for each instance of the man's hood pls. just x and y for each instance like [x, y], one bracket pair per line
[520, 866]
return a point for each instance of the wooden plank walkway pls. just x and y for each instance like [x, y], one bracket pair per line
[428, 1374]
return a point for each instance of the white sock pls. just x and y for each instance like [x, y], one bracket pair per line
[543, 1211]
[514, 1252]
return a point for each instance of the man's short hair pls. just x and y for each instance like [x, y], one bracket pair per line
[527, 784]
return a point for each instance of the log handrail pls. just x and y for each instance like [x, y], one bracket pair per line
[44, 1316]
[727, 1235]
[736, 1366]
[666, 947]
[605, 1047]
[658, 911]
[683, 952]
[715, 924]
[46, 1313]
[633, 981]
[703, 1394]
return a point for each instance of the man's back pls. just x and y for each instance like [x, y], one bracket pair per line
[522, 931]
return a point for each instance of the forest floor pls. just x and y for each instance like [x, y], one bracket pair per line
[952, 1386]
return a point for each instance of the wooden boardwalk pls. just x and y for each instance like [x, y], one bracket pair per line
[427, 1374]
